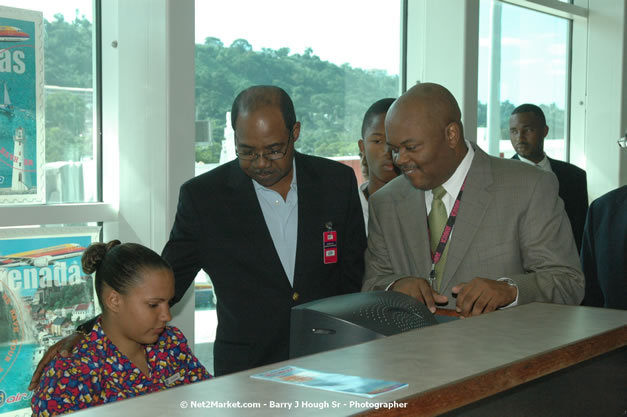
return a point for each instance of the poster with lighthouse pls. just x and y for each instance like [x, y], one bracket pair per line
[44, 295]
[22, 142]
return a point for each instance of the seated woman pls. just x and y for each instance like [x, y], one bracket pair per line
[129, 351]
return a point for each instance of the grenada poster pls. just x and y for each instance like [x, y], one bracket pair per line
[44, 295]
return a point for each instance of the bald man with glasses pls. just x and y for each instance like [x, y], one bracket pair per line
[273, 229]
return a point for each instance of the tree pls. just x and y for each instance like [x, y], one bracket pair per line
[68, 63]
[68, 53]
[330, 100]
[209, 154]
[67, 138]
[242, 44]
[554, 120]
[482, 114]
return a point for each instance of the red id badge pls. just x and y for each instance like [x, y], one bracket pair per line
[329, 246]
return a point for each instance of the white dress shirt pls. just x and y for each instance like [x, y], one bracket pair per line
[453, 184]
[544, 163]
[281, 218]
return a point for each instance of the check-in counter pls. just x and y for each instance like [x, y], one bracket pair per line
[477, 365]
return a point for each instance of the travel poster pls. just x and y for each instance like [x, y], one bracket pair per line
[44, 295]
[22, 145]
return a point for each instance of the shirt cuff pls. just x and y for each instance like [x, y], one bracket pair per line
[513, 284]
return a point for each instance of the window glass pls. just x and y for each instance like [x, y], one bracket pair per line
[68, 97]
[523, 58]
[334, 59]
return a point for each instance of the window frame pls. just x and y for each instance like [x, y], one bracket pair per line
[73, 213]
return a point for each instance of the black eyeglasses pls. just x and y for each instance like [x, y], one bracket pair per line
[273, 155]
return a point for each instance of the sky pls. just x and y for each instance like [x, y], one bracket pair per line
[533, 55]
[363, 33]
[366, 34]
[51, 7]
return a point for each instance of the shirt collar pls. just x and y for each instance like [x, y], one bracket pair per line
[454, 184]
[544, 163]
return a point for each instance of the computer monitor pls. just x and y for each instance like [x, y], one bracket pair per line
[345, 320]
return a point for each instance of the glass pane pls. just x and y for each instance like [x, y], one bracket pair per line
[523, 58]
[68, 50]
[334, 59]
[333, 77]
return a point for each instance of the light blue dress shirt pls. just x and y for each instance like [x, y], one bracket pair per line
[281, 218]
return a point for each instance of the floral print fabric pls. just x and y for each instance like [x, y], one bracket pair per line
[98, 373]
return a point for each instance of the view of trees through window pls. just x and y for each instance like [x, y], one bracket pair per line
[68, 51]
[333, 58]
[330, 99]
[68, 78]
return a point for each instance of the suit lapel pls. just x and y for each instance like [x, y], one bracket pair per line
[566, 188]
[474, 204]
[309, 199]
[411, 208]
[258, 241]
[555, 167]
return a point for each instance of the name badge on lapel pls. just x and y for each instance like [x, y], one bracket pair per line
[174, 378]
[329, 244]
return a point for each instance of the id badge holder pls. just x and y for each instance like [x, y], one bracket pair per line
[329, 245]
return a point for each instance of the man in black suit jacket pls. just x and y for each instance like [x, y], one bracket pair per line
[603, 251]
[527, 130]
[262, 262]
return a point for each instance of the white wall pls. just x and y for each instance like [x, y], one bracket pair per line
[148, 120]
[606, 118]
[442, 47]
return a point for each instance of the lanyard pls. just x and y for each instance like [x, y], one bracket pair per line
[446, 234]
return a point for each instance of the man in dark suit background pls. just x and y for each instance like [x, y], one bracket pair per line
[604, 249]
[527, 130]
[256, 226]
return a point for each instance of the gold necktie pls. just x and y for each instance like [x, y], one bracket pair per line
[437, 222]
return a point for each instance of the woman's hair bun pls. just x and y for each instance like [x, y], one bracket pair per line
[94, 254]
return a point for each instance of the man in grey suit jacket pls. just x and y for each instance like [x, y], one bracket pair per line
[511, 242]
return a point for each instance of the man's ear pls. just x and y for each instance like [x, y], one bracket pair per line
[453, 134]
[546, 131]
[296, 131]
[360, 143]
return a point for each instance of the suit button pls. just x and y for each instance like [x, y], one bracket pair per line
[295, 296]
